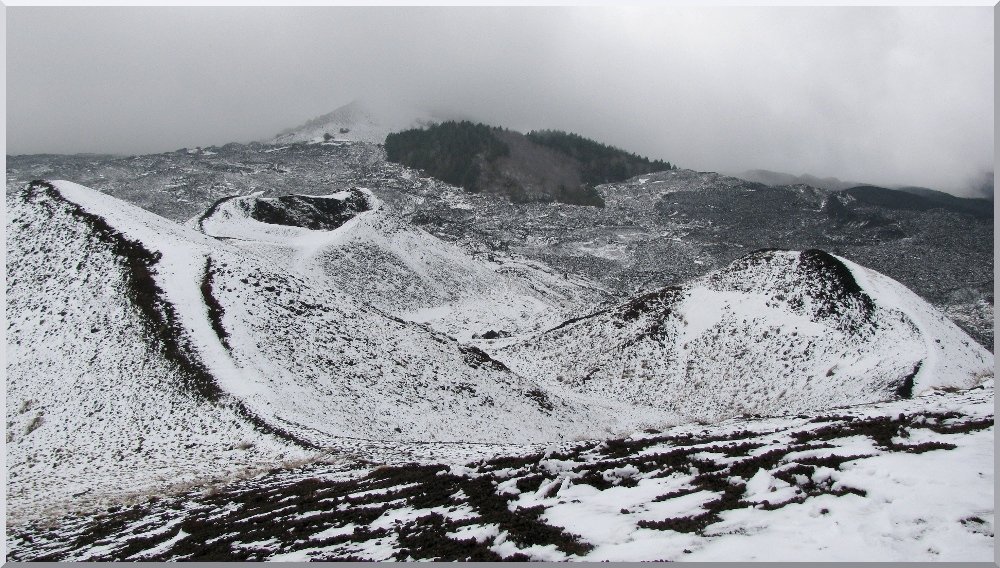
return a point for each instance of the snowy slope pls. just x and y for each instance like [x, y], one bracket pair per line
[950, 357]
[155, 346]
[776, 331]
[910, 480]
[358, 121]
[101, 397]
[379, 258]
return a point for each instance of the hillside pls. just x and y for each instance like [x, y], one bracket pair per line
[870, 483]
[156, 354]
[773, 178]
[665, 228]
[400, 269]
[775, 331]
[657, 230]
[977, 197]
[600, 163]
[540, 166]
[919, 199]
[275, 355]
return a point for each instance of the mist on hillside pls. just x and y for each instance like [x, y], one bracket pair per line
[891, 96]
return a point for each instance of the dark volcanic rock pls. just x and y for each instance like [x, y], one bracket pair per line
[317, 213]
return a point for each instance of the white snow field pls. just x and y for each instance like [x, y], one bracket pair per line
[405, 271]
[142, 350]
[307, 378]
[776, 331]
[909, 480]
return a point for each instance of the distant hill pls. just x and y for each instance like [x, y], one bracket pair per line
[897, 197]
[984, 188]
[772, 178]
[143, 348]
[544, 165]
[919, 199]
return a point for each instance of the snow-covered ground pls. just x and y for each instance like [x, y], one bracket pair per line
[99, 407]
[144, 352]
[674, 227]
[774, 331]
[327, 341]
[910, 480]
[405, 271]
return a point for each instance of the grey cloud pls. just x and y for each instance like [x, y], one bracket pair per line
[883, 95]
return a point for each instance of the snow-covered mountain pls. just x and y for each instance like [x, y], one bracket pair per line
[142, 350]
[358, 121]
[657, 230]
[324, 337]
[774, 330]
[397, 267]
[102, 395]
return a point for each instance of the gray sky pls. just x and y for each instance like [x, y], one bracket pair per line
[883, 95]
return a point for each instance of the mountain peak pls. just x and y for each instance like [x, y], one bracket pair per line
[361, 120]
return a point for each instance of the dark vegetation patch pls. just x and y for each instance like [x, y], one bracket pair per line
[621, 448]
[523, 524]
[962, 427]
[925, 447]
[220, 525]
[659, 303]
[833, 461]
[491, 334]
[728, 485]
[451, 151]
[540, 398]
[798, 472]
[882, 430]
[540, 166]
[426, 539]
[212, 209]
[215, 309]
[571, 321]
[599, 163]
[835, 289]
[476, 357]
[919, 199]
[530, 483]
[675, 494]
[833, 418]
[905, 388]
[510, 462]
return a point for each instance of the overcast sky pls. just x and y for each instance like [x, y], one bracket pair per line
[882, 95]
